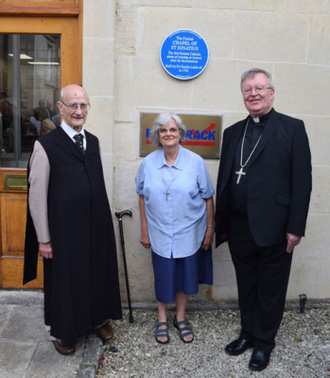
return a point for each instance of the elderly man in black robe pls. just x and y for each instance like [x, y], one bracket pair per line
[69, 222]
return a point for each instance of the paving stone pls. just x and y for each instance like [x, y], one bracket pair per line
[48, 363]
[15, 358]
[25, 324]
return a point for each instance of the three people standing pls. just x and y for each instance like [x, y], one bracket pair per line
[263, 193]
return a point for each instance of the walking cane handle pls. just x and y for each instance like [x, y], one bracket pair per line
[125, 212]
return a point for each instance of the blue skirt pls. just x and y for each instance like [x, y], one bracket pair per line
[183, 274]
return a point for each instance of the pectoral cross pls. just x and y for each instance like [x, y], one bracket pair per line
[240, 173]
[167, 194]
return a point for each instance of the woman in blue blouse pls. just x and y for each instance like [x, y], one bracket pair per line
[177, 221]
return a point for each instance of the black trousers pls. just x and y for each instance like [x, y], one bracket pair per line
[262, 275]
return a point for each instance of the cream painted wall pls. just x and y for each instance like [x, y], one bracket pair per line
[123, 74]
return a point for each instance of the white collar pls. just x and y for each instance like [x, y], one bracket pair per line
[70, 131]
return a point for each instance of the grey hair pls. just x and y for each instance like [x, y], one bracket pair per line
[253, 71]
[162, 120]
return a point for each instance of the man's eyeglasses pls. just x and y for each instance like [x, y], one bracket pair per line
[172, 130]
[74, 107]
[260, 90]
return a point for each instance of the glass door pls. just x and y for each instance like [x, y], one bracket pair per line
[30, 72]
[38, 56]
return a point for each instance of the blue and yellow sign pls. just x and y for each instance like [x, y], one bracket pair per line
[184, 54]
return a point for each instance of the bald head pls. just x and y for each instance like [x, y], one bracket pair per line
[73, 95]
[73, 90]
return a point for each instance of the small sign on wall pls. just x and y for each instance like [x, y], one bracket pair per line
[184, 54]
[202, 137]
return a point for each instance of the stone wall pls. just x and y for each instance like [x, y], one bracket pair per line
[123, 74]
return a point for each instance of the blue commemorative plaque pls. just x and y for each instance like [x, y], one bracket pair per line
[184, 54]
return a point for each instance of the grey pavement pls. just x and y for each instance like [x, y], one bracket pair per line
[303, 344]
[25, 350]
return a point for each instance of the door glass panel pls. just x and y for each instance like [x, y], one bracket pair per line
[29, 89]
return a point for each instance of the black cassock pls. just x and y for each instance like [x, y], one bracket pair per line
[81, 281]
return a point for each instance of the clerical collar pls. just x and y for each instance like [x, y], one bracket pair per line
[263, 118]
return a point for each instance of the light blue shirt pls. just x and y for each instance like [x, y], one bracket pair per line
[177, 225]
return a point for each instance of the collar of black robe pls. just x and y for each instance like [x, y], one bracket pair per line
[263, 119]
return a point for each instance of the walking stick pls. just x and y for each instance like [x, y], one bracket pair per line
[120, 215]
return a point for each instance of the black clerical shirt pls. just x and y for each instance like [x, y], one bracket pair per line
[238, 192]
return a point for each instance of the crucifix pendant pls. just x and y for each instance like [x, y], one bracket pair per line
[239, 173]
[167, 194]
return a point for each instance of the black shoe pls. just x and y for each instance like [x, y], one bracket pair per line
[239, 346]
[259, 360]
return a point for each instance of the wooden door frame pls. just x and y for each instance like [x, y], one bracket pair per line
[62, 18]
[30, 8]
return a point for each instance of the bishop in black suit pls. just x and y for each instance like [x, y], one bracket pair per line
[263, 194]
